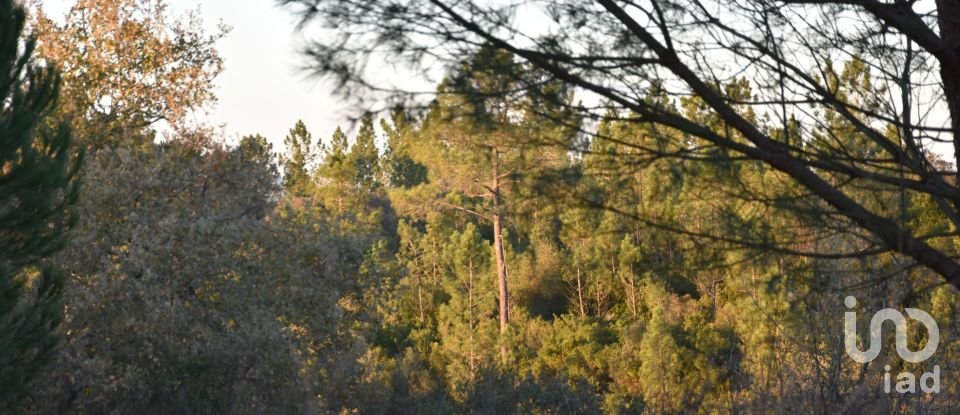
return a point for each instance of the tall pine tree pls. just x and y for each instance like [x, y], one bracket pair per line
[38, 185]
[364, 156]
[298, 163]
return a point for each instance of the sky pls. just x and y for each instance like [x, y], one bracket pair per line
[262, 88]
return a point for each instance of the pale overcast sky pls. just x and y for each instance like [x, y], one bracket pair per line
[261, 89]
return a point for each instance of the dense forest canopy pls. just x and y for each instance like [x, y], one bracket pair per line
[661, 207]
[773, 79]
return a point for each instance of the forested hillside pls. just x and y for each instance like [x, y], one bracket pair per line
[501, 249]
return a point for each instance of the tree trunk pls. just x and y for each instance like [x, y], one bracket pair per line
[473, 327]
[583, 312]
[423, 318]
[498, 248]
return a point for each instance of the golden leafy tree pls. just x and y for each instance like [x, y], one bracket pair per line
[128, 65]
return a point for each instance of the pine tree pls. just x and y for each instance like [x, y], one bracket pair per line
[37, 187]
[421, 256]
[336, 172]
[299, 162]
[256, 153]
[480, 139]
[400, 169]
[364, 156]
[467, 331]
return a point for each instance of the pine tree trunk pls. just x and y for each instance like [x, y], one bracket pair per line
[583, 311]
[423, 318]
[501, 271]
[498, 248]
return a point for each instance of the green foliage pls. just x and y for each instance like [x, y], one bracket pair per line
[38, 185]
[196, 286]
[469, 335]
[364, 156]
[299, 164]
[399, 168]
[575, 349]
[367, 281]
